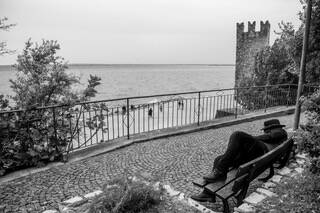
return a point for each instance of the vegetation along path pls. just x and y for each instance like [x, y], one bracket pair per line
[174, 160]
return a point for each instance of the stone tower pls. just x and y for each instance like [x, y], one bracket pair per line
[248, 44]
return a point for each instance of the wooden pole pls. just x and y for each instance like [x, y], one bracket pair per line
[302, 65]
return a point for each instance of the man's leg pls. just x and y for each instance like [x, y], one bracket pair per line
[240, 144]
[242, 148]
[205, 196]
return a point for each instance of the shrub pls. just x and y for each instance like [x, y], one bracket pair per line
[299, 194]
[309, 136]
[127, 196]
[31, 135]
[255, 98]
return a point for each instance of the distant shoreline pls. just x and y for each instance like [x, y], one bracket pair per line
[111, 65]
[77, 64]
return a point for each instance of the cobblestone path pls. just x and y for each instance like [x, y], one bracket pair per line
[176, 160]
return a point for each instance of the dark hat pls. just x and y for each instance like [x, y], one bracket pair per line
[271, 124]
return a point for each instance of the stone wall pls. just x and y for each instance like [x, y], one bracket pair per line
[248, 44]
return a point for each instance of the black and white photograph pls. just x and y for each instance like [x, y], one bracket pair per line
[159, 106]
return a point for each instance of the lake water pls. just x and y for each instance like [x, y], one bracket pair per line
[147, 114]
[137, 80]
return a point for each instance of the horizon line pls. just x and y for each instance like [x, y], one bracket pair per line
[117, 64]
[218, 64]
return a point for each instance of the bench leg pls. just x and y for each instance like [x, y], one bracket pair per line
[286, 157]
[289, 154]
[226, 208]
[239, 198]
[242, 195]
[271, 173]
[214, 198]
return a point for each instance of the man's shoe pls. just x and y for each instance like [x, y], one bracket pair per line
[215, 176]
[203, 197]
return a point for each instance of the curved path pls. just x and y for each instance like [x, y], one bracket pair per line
[175, 160]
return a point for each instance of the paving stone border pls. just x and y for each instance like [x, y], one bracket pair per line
[294, 168]
[77, 204]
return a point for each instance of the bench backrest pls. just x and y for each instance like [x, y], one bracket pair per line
[254, 168]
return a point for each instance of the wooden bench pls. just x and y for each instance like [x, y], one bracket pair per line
[238, 180]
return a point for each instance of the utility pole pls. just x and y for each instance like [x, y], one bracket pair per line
[302, 65]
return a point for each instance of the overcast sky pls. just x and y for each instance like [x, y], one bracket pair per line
[140, 31]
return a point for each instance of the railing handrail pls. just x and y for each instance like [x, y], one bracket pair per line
[94, 122]
[147, 96]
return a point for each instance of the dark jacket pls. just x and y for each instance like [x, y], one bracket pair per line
[273, 138]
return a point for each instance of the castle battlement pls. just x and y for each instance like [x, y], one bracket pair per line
[251, 33]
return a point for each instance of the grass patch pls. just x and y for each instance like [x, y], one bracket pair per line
[127, 196]
[300, 194]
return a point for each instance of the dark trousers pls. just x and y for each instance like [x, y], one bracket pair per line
[242, 148]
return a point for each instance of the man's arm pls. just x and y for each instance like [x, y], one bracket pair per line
[266, 137]
[273, 137]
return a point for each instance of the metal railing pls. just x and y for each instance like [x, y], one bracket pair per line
[89, 123]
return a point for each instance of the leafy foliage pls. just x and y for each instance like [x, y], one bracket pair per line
[280, 63]
[286, 52]
[41, 79]
[4, 26]
[255, 98]
[129, 195]
[4, 103]
[299, 194]
[309, 136]
[273, 66]
[35, 134]
[125, 195]
[313, 58]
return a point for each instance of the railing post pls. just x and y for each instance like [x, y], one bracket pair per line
[128, 120]
[71, 131]
[288, 96]
[266, 99]
[54, 123]
[198, 123]
[236, 100]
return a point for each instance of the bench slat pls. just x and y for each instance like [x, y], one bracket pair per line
[199, 182]
[213, 187]
[239, 179]
[225, 192]
[260, 164]
[266, 159]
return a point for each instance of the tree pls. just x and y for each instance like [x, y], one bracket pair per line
[41, 78]
[3, 44]
[280, 63]
[3, 50]
[34, 135]
[313, 58]
[308, 137]
[273, 65]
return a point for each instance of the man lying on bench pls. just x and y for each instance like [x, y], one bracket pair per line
[243, 148]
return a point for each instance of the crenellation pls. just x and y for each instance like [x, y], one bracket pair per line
[252, 33]
[264, 27]
[251, 26]
[240, 28]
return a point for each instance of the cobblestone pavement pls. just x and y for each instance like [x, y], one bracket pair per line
[175, 160]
